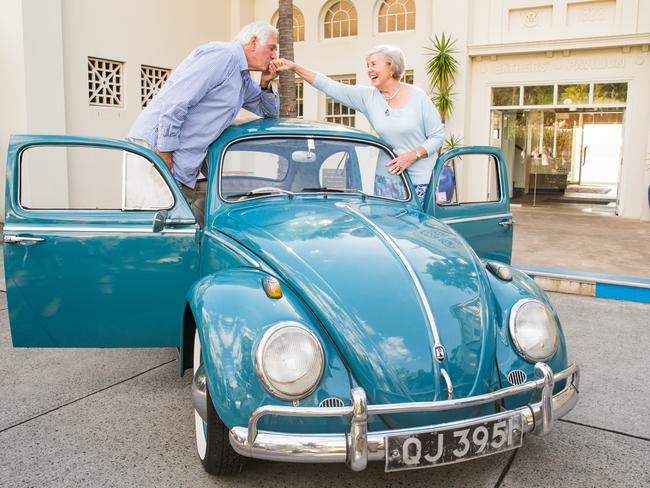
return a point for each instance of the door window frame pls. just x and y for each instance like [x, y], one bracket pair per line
[23, 149]
[16, 213]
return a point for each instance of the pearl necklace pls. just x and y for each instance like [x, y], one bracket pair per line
[388, 99]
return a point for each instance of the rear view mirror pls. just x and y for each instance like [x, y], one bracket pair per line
[303, 156]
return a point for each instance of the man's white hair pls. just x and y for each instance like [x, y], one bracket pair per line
[393, 56]
[260, 29]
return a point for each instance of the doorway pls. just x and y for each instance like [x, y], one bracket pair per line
[561, 156]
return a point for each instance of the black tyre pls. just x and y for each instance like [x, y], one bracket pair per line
[212, 441]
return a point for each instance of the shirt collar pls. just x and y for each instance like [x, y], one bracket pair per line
[241, 57]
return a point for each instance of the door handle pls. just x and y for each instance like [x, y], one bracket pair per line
[177, 222]
[21, 239]
[506, 223]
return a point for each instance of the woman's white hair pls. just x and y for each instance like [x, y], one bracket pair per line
[393, 56]
[260, 29]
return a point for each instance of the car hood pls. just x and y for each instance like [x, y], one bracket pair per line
[341, 258]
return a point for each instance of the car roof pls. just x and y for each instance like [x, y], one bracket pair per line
[288, 126]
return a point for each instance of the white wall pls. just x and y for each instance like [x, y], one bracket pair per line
[12, 80]
[152, 32]
[46, 44]
[32, 88]
[511, 21]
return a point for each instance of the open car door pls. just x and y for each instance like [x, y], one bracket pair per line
[469, 192]
[100, 245]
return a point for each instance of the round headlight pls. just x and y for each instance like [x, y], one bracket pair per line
[534, 330]
[289, 360]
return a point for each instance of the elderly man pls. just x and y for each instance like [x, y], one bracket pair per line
[202, 97]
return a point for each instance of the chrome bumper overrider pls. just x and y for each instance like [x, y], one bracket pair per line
[358, 446]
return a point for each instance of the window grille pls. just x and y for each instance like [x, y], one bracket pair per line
[105, 82]
[298, 24]
[339, 113]
[299, 99]
[151, 80]
[340, 20]
[396, 15]
[407, 77]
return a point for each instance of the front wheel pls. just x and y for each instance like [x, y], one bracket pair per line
[212, 442]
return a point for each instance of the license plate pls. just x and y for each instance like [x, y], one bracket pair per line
[445, 446]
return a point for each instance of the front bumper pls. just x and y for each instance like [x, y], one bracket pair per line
[358, 446]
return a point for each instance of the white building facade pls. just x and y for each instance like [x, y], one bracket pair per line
[562, 86]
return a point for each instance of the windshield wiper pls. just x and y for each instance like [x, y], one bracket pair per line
[263, 191]
[324, 188]
[337, 190]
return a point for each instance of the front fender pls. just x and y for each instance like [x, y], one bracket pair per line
[506, 294]
[232, 312]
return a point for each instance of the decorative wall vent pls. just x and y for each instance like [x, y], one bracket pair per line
[151, 80]
[105, 82]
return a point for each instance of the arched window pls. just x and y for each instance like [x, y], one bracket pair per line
[298, 24]
[396, 15]
[340, 20]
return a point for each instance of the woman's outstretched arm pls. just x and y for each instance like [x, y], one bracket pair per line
[349, 95]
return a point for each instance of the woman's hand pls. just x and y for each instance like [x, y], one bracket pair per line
[402, 162]
[282, 64]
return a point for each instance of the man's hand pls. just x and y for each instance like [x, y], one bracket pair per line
[267, 76]
[167, 157]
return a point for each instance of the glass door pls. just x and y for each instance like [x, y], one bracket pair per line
[601, 148]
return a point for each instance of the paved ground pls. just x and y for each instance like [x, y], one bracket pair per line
[573, 239]
[124, 418]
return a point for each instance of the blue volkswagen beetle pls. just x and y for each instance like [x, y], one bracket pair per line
[326, 316]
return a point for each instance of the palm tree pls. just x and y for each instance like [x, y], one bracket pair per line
[287, 78]
[442, 68]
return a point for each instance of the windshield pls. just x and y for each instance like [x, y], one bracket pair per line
[268, 166]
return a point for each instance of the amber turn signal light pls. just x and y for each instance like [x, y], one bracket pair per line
[272, 287]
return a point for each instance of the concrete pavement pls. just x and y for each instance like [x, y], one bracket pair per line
[124, 418]
[581, 241]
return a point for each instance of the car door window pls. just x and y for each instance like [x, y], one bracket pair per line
[90, 178]
[470, 178]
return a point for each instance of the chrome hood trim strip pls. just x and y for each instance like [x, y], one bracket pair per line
[416, 281]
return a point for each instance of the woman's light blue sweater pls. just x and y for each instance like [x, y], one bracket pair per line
[416, 124]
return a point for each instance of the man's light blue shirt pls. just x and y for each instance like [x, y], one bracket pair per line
[198, 102]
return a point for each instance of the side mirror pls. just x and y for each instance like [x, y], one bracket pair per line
[159, 220]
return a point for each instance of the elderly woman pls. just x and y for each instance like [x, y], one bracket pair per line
[402, 115]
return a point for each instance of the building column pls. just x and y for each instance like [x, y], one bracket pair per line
[32, 85]
[645, 209]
